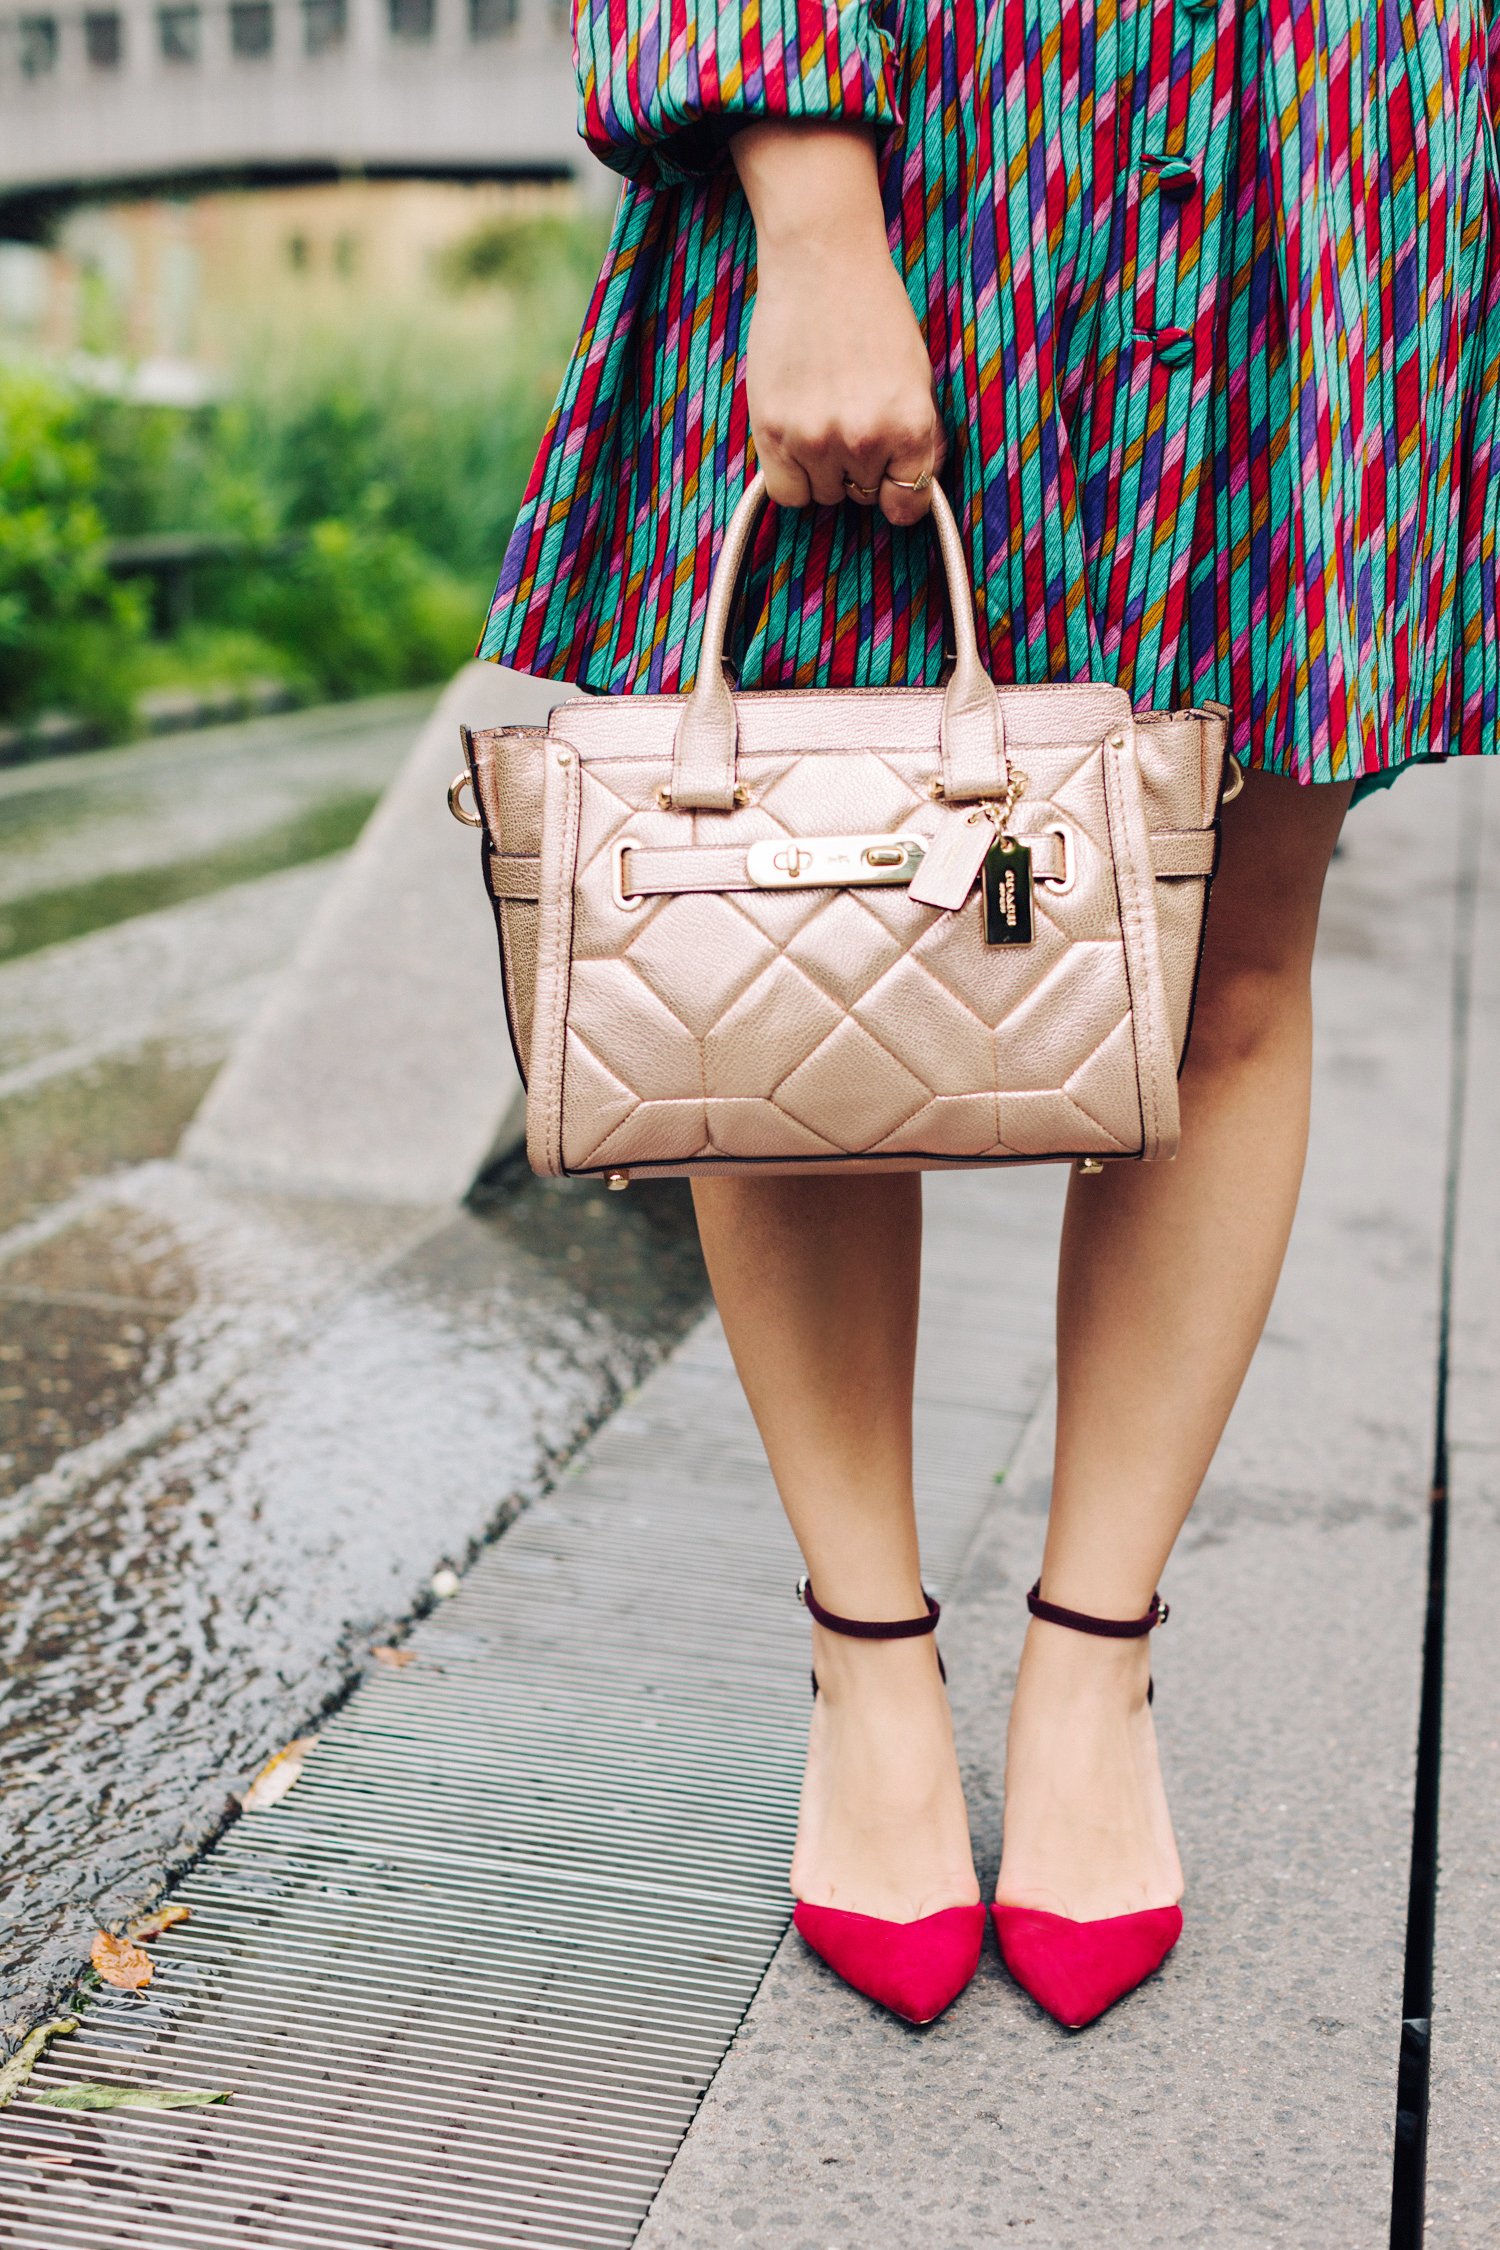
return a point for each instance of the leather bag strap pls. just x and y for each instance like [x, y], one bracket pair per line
[1135, 883]
[677, 868]
[705, 750]
[554, 967]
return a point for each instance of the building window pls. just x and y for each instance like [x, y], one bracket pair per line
[104, 39]
[178, 30]
[411, 20]
[252, 28]
[493, 19]
[324, 23]
[38, 45]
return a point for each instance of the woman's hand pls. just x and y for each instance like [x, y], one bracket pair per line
[839, 382]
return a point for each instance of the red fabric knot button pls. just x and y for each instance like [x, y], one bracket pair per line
[1172, 346]
[1176, 177]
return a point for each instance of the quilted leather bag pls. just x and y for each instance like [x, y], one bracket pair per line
[848, 929]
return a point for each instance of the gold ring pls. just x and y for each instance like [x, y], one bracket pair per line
[923, 483]
[865, 491]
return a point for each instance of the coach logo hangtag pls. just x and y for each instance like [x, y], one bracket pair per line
[1005, 893]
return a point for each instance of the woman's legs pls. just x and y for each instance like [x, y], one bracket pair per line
[1166, 1277]
[816, 1281]
[1167, 1273]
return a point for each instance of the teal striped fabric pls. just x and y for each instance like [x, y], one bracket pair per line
[1213, 305]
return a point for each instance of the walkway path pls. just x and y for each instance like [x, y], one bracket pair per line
[468, 1981]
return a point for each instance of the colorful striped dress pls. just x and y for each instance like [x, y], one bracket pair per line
[1212, 298]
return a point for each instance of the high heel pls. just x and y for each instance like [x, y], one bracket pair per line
[1075, 1970]
[916, 1969]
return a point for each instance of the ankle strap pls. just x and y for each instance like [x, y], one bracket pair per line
[1109, 1628]
[883, 1629]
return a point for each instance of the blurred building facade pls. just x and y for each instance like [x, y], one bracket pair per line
[129, 96]
[174, 173]
[158, 295]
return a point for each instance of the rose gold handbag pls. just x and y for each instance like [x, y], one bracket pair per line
[848, 928]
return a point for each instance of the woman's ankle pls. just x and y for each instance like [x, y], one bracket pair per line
[1080, 1666]
[874, 1672]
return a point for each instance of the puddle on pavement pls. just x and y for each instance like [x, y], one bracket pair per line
[204, 1599]
[67, 1375]
[116, 1252]
[123, 1110]
[621, 1254]
[86, 1323]
[50, 917]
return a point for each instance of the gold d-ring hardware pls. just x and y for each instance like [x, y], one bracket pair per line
[456, 788]
[629, 902]
[1234, 780]
[1088, 1166]
[1059, 885]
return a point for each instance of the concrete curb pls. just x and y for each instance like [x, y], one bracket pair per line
[379, 1066]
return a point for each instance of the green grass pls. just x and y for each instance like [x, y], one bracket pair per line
[50, 917]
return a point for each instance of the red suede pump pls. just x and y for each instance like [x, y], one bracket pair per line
[1075, 1970]
[916, 1969]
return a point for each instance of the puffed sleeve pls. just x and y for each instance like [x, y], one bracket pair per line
[663, 83]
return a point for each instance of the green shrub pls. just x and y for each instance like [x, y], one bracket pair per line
[546, 256]
[67, 633]
[370, 469]
[359, 608]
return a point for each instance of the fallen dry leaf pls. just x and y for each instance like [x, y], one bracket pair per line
[91, 2095]
[277, 1775]
[152, 1925]
[16, 2072]
[395, 1657]
[119, 1962]
[28, 2158]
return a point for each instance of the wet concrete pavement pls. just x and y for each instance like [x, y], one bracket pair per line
[108, 1043]
[147, 896]
[253, 1432]
[238, 1433]
[90, 840]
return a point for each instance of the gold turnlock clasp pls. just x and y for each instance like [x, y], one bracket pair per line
[820, 862]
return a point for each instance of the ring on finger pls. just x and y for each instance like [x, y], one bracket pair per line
[864, 491]
[923, 483]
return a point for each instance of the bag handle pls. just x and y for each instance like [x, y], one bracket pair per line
[704, 754]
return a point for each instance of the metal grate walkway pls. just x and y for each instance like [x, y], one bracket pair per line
[469, 1980]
